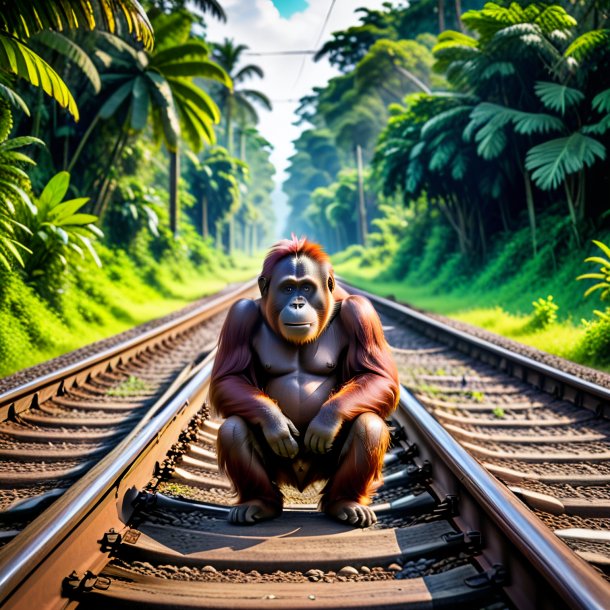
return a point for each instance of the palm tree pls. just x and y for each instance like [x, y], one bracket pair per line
[21, 20]
[158, 86]
[237, 103]
[211, 6]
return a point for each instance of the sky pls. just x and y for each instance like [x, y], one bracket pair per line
[285, 25]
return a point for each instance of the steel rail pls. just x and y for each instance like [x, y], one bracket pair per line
[575, 580]
[42, 383]
[20, 558]
[566, 379]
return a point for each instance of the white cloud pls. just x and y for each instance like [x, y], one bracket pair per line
[258, 24]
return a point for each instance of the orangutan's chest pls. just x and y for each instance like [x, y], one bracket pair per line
[278, 358]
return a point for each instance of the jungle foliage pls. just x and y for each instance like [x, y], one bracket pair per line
[485, 140]
[109, 113]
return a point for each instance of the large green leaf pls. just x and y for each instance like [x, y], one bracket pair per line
[17, 58]
[67, 209]
[72, 52]
[194, 49]
[601, 102]
[110, 106]
[558, 97]
[204, 68]
[13, 98]
[55, 190]
[185, 89]
[587, 43]
[140, 104]
[552, 161]
[23, 19]
[165, 109]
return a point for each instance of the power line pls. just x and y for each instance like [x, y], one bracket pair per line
[330, 10]
[280, 53]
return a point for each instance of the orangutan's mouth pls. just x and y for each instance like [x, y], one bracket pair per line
[301, 325]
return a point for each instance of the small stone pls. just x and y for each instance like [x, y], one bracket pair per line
[394, 567]
[311, 596]
[421, 562]
[313, 572]
[365, 570]
[168, 568]
[347, 571]
[270, 596]
[185, 569]
[209, 569]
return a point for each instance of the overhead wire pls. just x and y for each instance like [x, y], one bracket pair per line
[322, 29]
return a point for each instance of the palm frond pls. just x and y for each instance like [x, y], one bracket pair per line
[558, 97]
[186, 90]
[17, 58]
[167, 114]
[193, 49]
[257, 96]
[24, 19]
[13, 98]
[211, 6]
[601, 102]
[248, 71]
[588, 43]
[203, 68]
[498, 68]
[140, 104]
[552, 161]
[72, 52]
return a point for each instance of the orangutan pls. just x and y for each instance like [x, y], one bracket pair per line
[305, 380]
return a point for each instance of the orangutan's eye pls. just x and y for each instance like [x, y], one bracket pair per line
[288, 289]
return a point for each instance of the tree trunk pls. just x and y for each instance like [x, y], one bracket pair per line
[246, 238]
[572, 210]
[531, 211]
[441, 16]
[107, 197]
[231, 234]
[174, 203]
[114, 157]
[361, 202]
[229, 125]
[242, 145]
[205, 231]
[219, 235]
[458, 14]
[81, 144]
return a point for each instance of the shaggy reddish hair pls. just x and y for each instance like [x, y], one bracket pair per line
[293, 247]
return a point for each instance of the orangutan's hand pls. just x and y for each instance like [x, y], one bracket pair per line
[280, 434]
[322, 430]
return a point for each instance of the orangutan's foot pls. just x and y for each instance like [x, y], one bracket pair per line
[351, 512]
[253, 511]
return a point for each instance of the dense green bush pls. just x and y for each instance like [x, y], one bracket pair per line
[545, 312]
[596, 344]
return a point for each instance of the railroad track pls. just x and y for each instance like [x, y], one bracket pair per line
[54, 427]
[146, 526]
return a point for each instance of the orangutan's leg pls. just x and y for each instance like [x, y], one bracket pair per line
[350, 489]
[258, 497]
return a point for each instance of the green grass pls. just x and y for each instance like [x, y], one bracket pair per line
[131, 386]
[95, 304]
[505, 309]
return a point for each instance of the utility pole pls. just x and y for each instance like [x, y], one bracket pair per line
[174, 176]
[361, 202]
